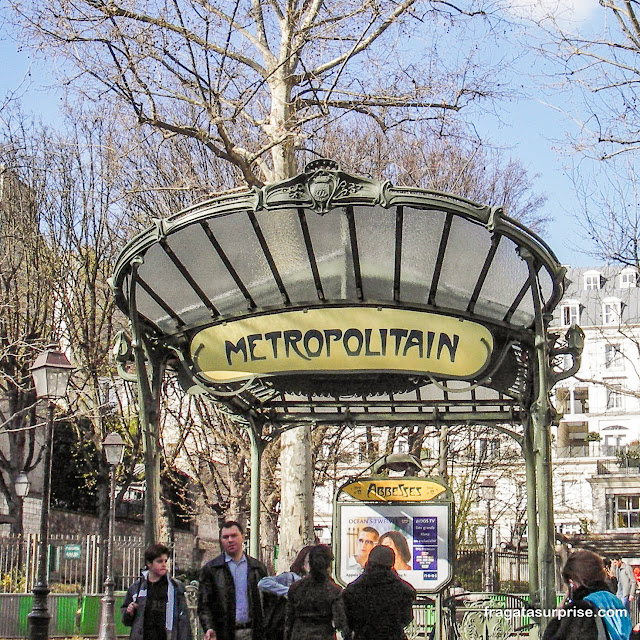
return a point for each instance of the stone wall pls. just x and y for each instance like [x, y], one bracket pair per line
[187, 554]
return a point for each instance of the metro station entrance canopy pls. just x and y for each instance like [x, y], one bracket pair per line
[331, 298]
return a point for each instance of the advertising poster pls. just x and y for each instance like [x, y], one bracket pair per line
[418, 534]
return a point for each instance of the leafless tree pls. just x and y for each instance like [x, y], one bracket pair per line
[254, 81]
[419, 157]
[600, 64]
[27, 317]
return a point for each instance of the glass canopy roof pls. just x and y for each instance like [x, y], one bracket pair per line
[325, 239]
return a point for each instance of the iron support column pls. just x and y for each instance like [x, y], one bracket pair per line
[39, 616]
[256, 464]
[532, 513]
[541, 422]
[149, 373]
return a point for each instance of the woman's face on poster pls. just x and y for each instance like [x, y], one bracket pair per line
[399, 564]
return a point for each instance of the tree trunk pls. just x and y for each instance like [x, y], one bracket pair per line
[296, 513]
[296, 470]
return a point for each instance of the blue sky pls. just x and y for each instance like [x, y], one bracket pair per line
[529, 132]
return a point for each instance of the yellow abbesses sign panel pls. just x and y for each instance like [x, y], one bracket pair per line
[397, 490]
[344, 339]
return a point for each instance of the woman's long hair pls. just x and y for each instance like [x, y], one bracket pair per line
[585, 568]
[319, 562]
[297, 566]
[400, 543]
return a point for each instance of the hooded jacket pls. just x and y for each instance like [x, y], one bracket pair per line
[176, 611]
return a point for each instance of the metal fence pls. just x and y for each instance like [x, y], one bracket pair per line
[510, 570]
[75, 563]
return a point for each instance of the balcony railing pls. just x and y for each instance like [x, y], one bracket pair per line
[583, 449]
[618, 467]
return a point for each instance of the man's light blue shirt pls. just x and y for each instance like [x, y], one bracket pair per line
[240, 572]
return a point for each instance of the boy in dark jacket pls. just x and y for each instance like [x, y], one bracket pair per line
[155, 606]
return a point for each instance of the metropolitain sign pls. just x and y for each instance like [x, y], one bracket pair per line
[342, 340]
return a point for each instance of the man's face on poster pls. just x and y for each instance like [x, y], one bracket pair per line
[366, 541]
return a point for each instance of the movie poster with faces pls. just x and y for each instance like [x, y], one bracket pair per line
[418, 535]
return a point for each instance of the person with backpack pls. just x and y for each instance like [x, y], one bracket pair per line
[278, 587]
[590, 611]
[155, 606]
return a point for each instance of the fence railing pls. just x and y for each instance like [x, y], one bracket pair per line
[510, 570]
[75, 563]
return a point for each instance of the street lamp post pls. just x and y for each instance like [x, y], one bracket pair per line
[51, 372]
[113, 447]
[487, 491]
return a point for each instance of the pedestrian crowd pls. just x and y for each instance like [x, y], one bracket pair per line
[237, 600]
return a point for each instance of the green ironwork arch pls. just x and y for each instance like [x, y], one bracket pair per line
[329, 244]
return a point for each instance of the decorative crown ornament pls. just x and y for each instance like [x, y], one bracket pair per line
[321, 187]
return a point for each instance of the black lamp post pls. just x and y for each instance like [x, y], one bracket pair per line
[51, 372]
[113, 447]
[487, 491]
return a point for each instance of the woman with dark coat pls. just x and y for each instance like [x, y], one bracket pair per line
[379, 604]
[582, 616]
[314, 607]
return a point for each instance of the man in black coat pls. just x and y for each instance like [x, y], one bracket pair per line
[379, 603]
[229, 602]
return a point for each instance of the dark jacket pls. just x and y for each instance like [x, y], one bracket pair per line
[314, 610]
[137, 593]
[379, 605]
[578, 622]
[217, 598]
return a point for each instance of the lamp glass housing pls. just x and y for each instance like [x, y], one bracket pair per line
[22, 485]
[51, 372]
[113, 446]
[487, 489]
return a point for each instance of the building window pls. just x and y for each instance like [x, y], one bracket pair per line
[362, 451]
[570, 314]
[613, 444]
[581, 400]
[626, 512]
[611, 312]
[592, 281]
[612, 356]
[628, 278]
[614, 397]
[488, 447]
[564, 490]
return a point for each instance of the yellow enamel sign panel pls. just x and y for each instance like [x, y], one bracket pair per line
[396, 490]
[344, 339]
